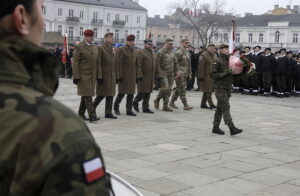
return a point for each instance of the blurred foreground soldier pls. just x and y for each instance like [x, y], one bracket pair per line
[184, 66]
[46, 149]
[149, 69]
[268, 65]
[106, 75]
[206, 82]
[84, 74]
[168, 66]
[223, 82]
[128, 75]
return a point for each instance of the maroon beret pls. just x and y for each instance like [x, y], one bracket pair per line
[88, 33]
[130, 38]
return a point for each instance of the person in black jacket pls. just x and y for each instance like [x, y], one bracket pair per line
[256, 79]
[268, 64]
[281, 72]
[247, 78]
[290, 71]
[297, 76]
[194, 64]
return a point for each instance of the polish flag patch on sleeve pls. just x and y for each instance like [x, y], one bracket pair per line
[93, 170]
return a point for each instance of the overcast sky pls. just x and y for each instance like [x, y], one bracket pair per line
[161, 7]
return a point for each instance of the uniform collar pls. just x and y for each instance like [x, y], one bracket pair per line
[25, 63]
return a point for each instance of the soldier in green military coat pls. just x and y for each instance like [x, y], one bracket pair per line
[46, 149]
[221, 73]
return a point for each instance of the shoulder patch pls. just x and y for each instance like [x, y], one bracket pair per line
[93, 170]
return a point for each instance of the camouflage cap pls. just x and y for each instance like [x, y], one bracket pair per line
[170, 40]
[185, 40]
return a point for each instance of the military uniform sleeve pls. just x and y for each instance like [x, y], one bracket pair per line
[119, 62]
[99, 64]
[215, 72]
[78, 170]
[158, 70]
[176, 65]
[139, 63]
[76, 63]
[190, 65]
[201, 67]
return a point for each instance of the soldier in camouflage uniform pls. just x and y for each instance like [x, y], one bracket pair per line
[223, 82]
[184, 61]
[46, 149]
[169, 68]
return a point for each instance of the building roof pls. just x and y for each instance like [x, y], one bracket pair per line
[165, 23]
[263, 20]
[123, 4]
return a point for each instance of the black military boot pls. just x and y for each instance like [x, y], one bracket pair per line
[136, 107]
[234, 130]
[131, 114]
[83, 117]
[217, 130]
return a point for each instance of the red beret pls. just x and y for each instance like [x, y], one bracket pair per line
[130, 38]
[88, 33]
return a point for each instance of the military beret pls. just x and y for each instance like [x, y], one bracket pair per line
[7, 7]
[108, 34]
[170, 40]
[148, 41]
[268, 49]
[185, 40]
[222, 46]
[130, 37]
[88, 33]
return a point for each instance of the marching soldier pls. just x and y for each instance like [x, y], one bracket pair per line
[169, 68]
[46, 149]
[206, 82]
[184, 64]
[85, 61]
[128, 75]
[221, 73]
[106, 75]
[149, 69]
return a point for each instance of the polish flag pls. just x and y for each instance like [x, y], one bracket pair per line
[93, 170]
[232, 37]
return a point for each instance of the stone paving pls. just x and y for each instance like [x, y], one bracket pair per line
[175, 154]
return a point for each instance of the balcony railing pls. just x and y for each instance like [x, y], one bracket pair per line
[72, 19]
[119, 23]
[97, 21]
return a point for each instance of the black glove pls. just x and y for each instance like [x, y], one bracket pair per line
[100, 81]
[76, 81]
[201, 79]
[120, 80]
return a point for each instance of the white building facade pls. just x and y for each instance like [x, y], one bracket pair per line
[271, 31]
[122, 17]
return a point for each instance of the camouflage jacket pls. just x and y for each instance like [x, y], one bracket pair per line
[222, 81]
[45, 148]
[184, 62]
[167, 62]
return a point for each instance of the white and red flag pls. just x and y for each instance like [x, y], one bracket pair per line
[94, 170]
[232, 36]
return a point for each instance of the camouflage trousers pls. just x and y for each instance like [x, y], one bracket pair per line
[180, 90]
[223, 107]
[166, 84]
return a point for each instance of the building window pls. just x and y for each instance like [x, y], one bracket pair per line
[81, 31]
[225, 37]
[108, 17]
[250, 37]
[138, 35]
[237, 38]
[117, 17]
[126, 33]
[261, 38]
[95, 16]
[295, 38]
[277, 37]
[216, 37]
[59, 29]
[81, 14]
[117, 35]
[126, 18]
[95, 32]
[59, 12]
[44, 10]
[138, 19]
[71, 13]
[71, 32]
